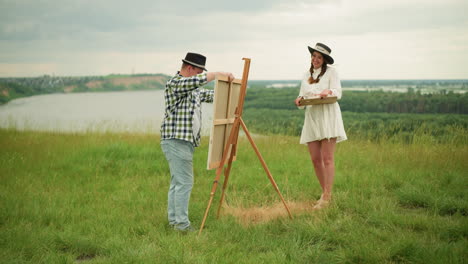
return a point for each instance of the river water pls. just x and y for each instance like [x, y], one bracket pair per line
[129, 111]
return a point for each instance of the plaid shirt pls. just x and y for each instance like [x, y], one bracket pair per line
[183, 96]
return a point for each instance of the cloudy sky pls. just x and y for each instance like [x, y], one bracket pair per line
[370, 39]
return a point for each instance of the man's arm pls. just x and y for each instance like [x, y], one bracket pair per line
[212, 75]
[187, 84]
[184, 85]
[206, 95]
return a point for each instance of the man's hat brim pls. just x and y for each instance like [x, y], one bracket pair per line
[194, 64]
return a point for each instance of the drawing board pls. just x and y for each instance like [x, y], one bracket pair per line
[226, 98]
[318, 100]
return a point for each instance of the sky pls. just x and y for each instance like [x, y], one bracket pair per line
[370, 39]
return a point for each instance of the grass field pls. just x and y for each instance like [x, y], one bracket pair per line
[101, 198]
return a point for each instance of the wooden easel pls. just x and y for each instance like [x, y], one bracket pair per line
[232, 145]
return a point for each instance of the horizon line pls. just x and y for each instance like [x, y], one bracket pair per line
[136, 74]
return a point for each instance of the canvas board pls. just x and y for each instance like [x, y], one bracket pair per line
[318, 100]
[226, 99]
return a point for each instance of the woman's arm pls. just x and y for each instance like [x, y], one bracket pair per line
[335, 84]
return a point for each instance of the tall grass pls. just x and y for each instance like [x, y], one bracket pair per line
[101, 198]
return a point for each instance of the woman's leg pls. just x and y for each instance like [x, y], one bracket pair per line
[317, 161]
[328, 156]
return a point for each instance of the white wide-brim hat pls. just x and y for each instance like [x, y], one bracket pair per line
[324, 50]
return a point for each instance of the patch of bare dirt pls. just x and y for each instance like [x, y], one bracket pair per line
[258, 215]
[69, 89]
[5, 92]
[85, 257]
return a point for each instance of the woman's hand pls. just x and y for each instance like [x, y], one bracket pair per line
[297, 101]
[325, 93]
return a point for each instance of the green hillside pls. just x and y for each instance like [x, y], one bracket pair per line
[101, 198]
[12, 88]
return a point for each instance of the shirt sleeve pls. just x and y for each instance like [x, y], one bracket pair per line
[304, 82]
[206, 95]
[335, 84]
[184, 85]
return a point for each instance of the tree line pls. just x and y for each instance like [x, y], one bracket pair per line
[375, 116]
[12, 88]
[367, 101]
[376, 127]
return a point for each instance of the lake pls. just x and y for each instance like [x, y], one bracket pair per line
[129, 111]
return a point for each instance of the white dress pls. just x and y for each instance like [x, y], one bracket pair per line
[322, 121]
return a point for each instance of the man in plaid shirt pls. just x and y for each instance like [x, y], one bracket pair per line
[180, 132]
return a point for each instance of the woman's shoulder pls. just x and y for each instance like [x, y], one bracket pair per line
[306, 75]
[331, 69]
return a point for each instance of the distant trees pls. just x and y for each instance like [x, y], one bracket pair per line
[376, 116]
[259, 97]
[404, 128]
[363, 101]
[411, 102]
[11, 88]
[22, 87]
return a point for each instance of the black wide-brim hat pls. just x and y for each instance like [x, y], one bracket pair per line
[196, 60]
[324, 50]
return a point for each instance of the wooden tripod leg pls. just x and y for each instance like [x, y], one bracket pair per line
[213, 191]
[219, 170]
[264, 165]
[226, 179]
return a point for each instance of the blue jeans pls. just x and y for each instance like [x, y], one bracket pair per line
[179, 155]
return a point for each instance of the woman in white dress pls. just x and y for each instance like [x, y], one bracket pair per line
[323, 124]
